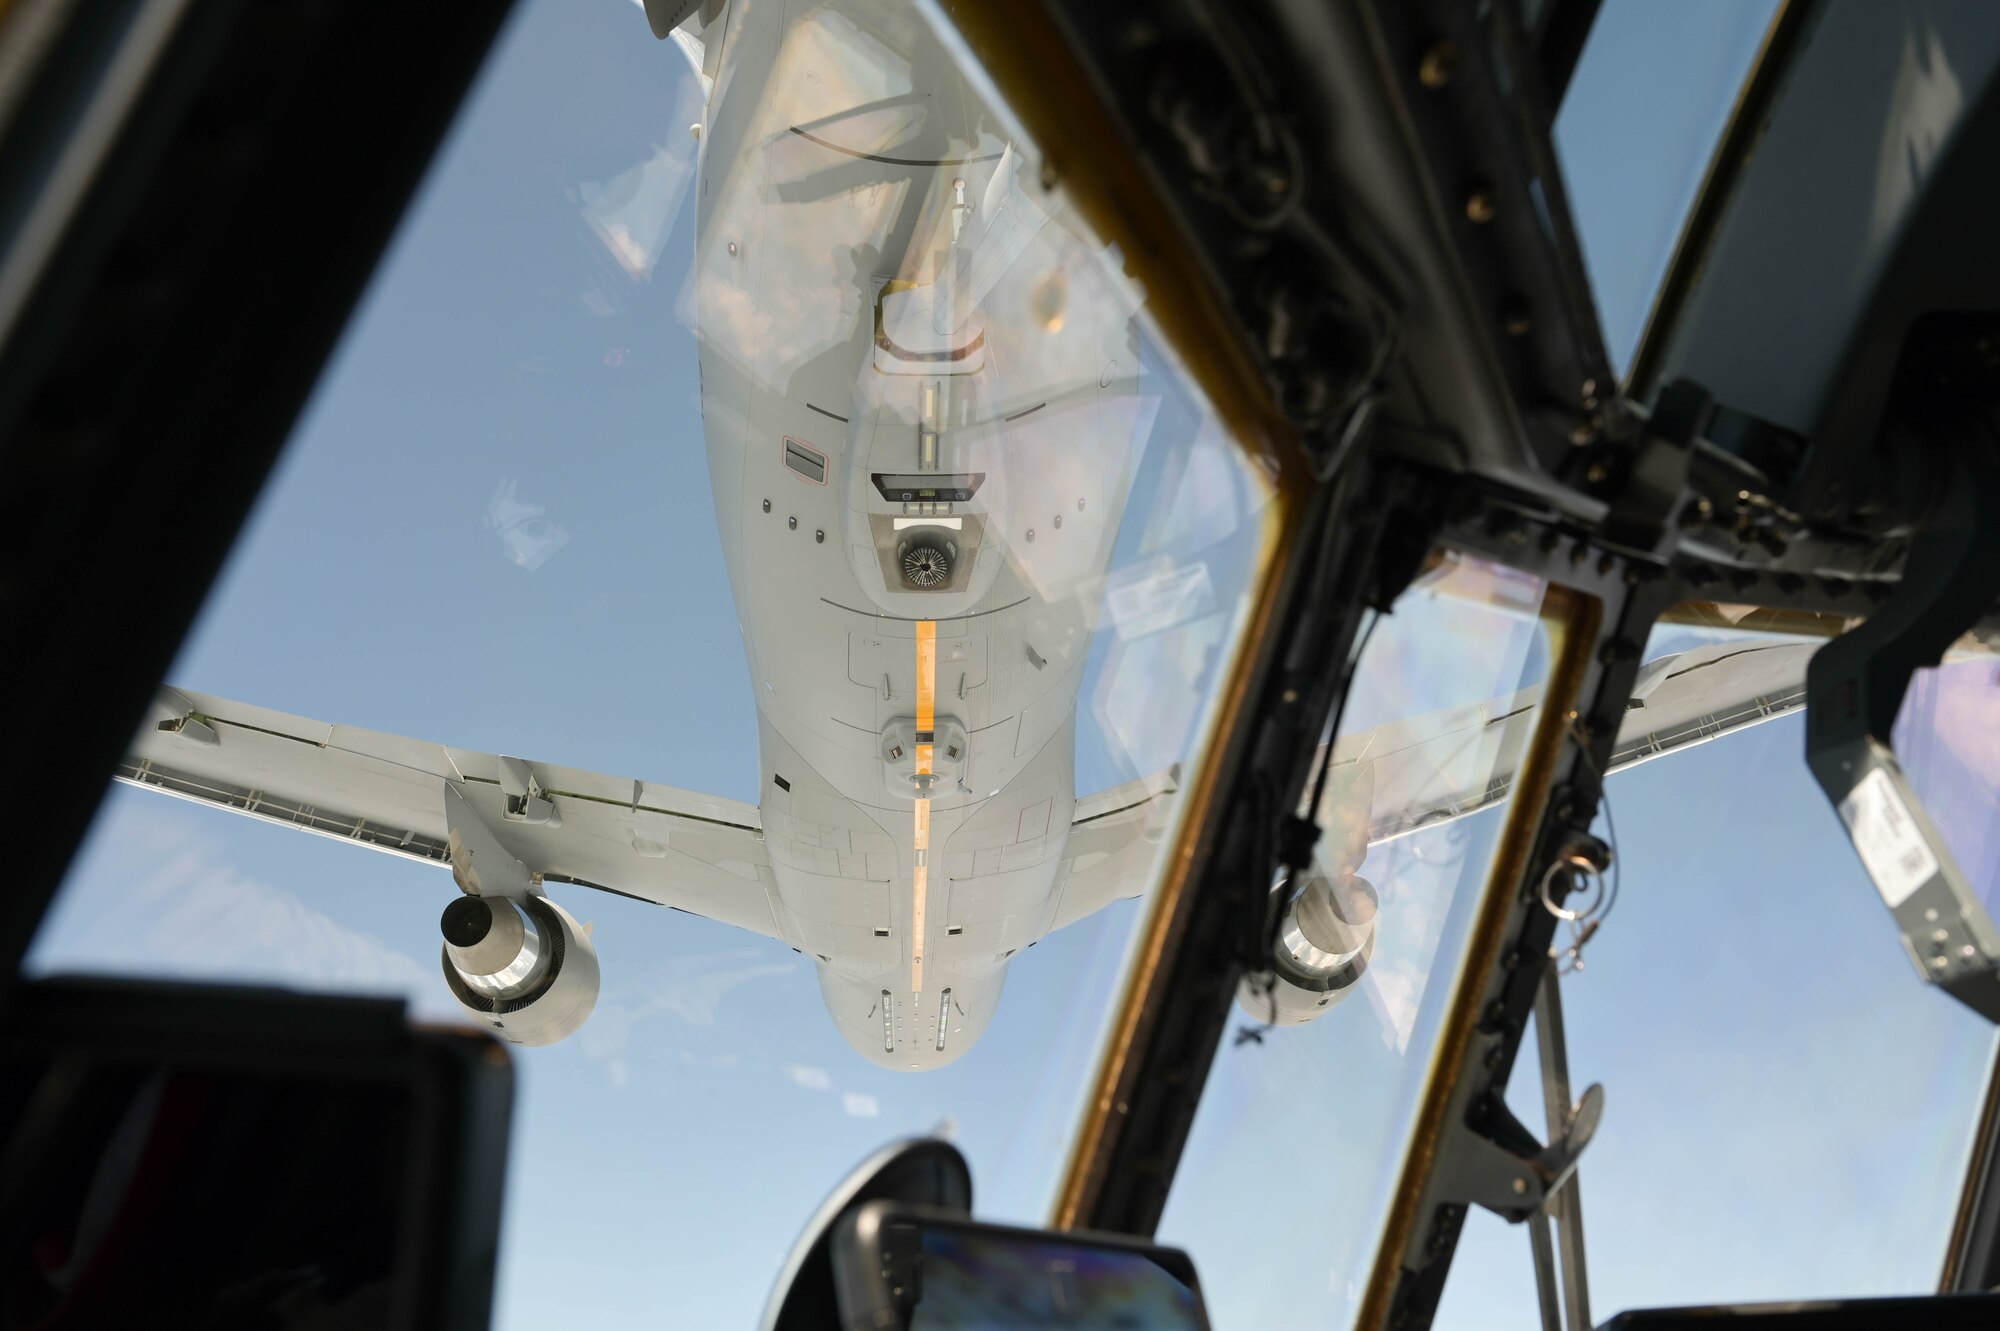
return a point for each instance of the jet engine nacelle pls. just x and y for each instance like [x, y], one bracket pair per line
[1325, 940]
[524, 969]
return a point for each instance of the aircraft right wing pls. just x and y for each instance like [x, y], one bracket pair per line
[678, 848]
[1438, 768]
[1399, 778]
[1112, 839]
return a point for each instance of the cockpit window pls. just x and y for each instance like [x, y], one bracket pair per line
[1749, 1009]
[755, 560]
[1303, 1126]
[1651, 96]
[1734, 964]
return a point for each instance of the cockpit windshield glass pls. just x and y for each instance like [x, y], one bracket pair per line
[1768, 1056]
[1652, 94]
[1734, 985]
[756, 580]
[1302, 1127]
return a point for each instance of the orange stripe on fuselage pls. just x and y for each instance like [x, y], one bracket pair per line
[920, 876]
[926, 674]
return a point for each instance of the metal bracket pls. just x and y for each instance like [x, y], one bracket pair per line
[1512, 1183]
[1657, 475]
[191, 727]
[480, 865]
[526, 801]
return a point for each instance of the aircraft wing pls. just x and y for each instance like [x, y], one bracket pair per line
[1437, 768]
[678, 848]
[1112, 841]
[1399, 778]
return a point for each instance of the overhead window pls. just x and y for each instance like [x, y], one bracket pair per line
[1651, 96]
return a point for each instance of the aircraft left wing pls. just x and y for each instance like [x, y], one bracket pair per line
[693, 852]
[1112, 839]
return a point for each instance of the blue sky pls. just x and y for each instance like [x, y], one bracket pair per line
[1748, 1008]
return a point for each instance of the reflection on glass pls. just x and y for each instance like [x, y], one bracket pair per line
[740, 413]
[1947, 740]
[1300, 1133]
[970, 1280]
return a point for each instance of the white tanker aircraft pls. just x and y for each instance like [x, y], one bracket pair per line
[920, 401]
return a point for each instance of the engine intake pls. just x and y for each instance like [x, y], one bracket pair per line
[523, 969]
[1325, 940]
[927, 562]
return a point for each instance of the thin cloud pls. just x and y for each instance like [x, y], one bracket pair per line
[695, 998]
[813, 1079]
[190, 913]
[690, 988]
